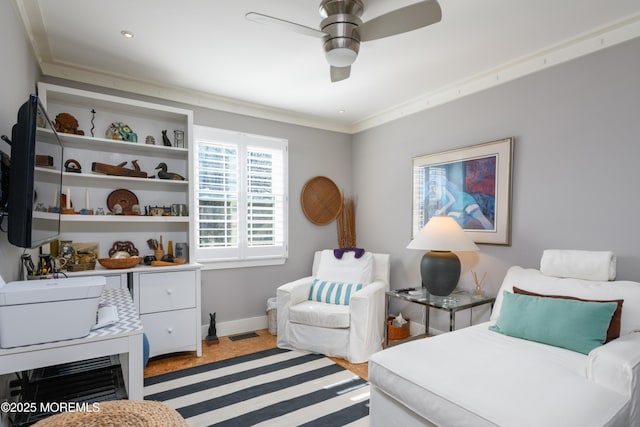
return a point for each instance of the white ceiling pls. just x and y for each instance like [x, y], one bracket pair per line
[205, 52]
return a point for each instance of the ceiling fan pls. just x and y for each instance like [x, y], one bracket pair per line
[342, 30]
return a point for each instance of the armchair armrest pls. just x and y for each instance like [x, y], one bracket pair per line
[294, 292]
[616, 365]
[287, 295]
[367, 321]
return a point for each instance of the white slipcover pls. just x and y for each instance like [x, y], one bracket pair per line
[476, 377]
[352, 332]
[588, 265]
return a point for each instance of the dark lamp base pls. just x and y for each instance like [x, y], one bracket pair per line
[440, 272]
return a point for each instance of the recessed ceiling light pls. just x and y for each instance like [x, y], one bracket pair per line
[127, 34]
[341, 111]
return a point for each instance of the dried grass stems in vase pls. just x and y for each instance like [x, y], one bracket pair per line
[478, 291]
[346, 223]
[342, 235]
[350, 214]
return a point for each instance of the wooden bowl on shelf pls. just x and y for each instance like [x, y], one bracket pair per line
[113, 263]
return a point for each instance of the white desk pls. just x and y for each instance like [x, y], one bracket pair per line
[123, 338]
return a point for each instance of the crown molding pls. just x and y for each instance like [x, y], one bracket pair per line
[587, 43]
[191, 97]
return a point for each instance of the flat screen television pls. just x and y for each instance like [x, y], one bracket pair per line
[35, 178]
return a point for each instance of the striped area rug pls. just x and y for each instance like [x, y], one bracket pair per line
[269, 388]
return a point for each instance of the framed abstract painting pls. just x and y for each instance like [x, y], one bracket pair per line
[472, 185]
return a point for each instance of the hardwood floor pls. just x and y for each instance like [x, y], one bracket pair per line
[227, 349]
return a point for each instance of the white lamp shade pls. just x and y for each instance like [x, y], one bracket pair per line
[442, 233]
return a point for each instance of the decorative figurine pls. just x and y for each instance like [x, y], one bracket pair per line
[150, 140]
[66, 123]
[211, 334]
[163, 174]
[122, 132]
[165, 139]
[72, 165]
[93, 117]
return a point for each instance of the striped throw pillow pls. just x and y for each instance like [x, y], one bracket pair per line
[332, 292]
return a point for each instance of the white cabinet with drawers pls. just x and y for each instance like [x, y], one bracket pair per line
[168, 300]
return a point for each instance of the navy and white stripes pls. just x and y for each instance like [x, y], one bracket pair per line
[272, 387]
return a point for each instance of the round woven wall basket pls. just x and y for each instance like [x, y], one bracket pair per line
[321, 200]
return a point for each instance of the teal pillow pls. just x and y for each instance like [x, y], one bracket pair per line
[575, 325]
[332, 292]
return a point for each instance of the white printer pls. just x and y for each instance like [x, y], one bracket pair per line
[41, 311]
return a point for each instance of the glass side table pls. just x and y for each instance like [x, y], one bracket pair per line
[457, 301]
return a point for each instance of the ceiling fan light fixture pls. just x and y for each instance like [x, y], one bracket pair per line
[341, 57]
[342, 30]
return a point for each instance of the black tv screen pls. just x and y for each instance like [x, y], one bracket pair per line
[35, 178]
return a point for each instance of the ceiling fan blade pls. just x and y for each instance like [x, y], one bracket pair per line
[340, 73]
[270, 20]
[401, 20]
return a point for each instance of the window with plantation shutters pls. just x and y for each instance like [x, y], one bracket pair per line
[240, 198]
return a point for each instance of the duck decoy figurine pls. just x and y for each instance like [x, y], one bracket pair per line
[163, 174]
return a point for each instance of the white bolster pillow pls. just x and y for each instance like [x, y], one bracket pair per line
[587, 265]
[616, 365]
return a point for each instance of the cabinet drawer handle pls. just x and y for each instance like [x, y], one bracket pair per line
[169, 291]
[169, 330]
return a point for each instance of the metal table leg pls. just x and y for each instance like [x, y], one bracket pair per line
[386, 320]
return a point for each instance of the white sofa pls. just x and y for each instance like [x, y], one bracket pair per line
[478, 377]
[353, 331]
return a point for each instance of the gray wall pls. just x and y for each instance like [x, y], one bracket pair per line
[18, 76]
[575, 178]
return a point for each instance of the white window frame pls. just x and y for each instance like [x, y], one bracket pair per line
[242, 255]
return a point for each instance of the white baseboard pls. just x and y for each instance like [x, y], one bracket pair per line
[239, 326]
[251, 324]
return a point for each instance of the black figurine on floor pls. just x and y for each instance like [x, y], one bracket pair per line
[212, 338]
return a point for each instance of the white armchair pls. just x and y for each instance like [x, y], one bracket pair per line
[352, 330]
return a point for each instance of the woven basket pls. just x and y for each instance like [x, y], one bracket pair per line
[117, 413]
[81, 267]
[321, 200]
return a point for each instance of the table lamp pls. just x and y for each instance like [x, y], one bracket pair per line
[440, 267]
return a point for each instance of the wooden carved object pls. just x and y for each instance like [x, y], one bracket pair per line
[126, 246]
[67, 123]
[72, 165]
[119, 170]
[44, 160]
